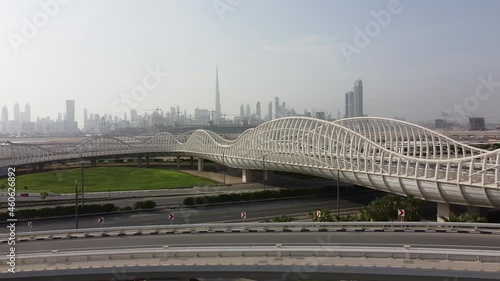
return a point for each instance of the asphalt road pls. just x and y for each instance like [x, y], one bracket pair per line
[446, 240]
[223, 213]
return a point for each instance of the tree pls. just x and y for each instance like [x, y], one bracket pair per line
[44, 194]
[25, 187]
[386, 208]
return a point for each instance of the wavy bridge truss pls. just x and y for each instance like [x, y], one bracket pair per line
[379, 153]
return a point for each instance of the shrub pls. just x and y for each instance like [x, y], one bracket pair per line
[138, 205]
[149, 204]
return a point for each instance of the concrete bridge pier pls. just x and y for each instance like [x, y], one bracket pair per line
[147, 160]
[201, 164]
[178, 162]
[247, 175]
[4, 171]
[93, 163]
[191, 161]
[139, 161]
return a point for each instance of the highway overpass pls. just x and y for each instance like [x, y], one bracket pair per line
[291, 251]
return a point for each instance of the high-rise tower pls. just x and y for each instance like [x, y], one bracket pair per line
[358, 98]
[27, 113]
[218, 111]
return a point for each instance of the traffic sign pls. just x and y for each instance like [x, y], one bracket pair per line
[30, 224]
[243, 215]
[171, 216]
[318, 213]
[401, 213]
[100, 220]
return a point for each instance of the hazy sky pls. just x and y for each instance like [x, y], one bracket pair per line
[422, 61]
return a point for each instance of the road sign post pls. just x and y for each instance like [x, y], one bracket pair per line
[100, 221]
[401, 214]
[243, 216]
[30, 224]
[171, 218]
[318, 213]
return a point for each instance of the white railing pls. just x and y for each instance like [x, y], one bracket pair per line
[314, 255]
[212, 227]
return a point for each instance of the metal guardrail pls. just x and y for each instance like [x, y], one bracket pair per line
[183, 228]
[402, 257]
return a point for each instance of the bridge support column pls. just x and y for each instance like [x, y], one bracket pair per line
[147, 160]
[201, 164]
[445, 210]
[191, 161]
[4, 171]
[139, 161]
[93, 162]
[246, 175]
[178, 162]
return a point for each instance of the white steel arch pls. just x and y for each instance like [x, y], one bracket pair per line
[380, 153]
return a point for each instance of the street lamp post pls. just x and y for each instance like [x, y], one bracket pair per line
[83, 186]
[223, 169]
[338, 192]
[76, 204]
[264, 171]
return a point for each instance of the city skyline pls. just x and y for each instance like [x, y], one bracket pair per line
[418, 57]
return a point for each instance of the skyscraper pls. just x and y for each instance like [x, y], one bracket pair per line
[70, 111]
[257, 110]
[349, 104]
[242, 112]
[27, 113]
[270, 111]
[354, 101]
[17, 113]
[85, 118]
[248, 113]
[277, 111]
[218, 109]
[358, 98]
[5, 119]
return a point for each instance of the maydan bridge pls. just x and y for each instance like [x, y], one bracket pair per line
[379, 153]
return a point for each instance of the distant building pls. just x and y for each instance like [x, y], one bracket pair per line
[277, 111]
[270, 111]
[5, 119]
[218, 110]
[477, 124]
[70, 111]
[354, 101]
[358, 98]
[439, 124]
[320, 115]
[27, 113]
[17, 113]
[349, 104]
[257, 111]
[242, 112]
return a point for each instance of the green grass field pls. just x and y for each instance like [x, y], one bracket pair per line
[103, 179]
